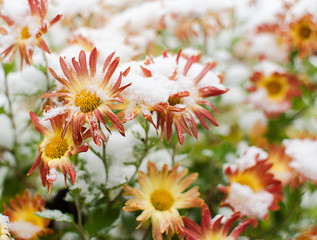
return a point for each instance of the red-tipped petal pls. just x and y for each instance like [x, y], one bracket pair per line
[93, 62]
[107, 62]
[37, 124]
[178, 55]
[189, 63]
[83, 64]
[35, 164]
[111, 69]
[207, 68]
[126, 72]
[56, 19]
[42, 44]
[146, 72]
[238, 229]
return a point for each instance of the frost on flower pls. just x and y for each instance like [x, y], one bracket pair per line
[89, 96]
[272, 89]
[281, 166]
[175, 87]
[25, 32]
[211, 228]
[160, 197]
[23, 223]
[304, 156]
[55, 149]
[297, 33]
[308, 234]
[4, 229]
[252, 189]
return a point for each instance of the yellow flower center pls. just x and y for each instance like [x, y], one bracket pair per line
[28, 216]
[25, 33]
[172, 101]
[248, 179]
[161, 199]
[273, 87]
[304, 32]
[56, 148]
[214, 236]
[87, 101]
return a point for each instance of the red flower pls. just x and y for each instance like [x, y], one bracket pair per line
[55, 150]
[88, 97]
[211, 228]
[27, 39]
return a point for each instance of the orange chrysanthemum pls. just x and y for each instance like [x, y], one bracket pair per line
[181, 106]
[55, 150]
[299, 34]
[161, 196]
[273, 92]
[280, 166]
[211, 229]
[28, 35]
[309, 234]
[23, 223]
[252, 189]
[302, 35]
[89, 98]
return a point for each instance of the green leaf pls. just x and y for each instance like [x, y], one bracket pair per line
[56, 215]
[8, 67]
[2, 110]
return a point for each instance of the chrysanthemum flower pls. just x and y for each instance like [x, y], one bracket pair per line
[302, 35]
[252, 188]
[4, 229]
[303, 153]
[175, 87]
[55, 149]
[161, 196]
[309, 234]
[272, 89]
[27, 31]
[90, 97]
[294, 32]
[211, 228]
[23, 223]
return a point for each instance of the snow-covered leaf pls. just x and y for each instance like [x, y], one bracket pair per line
[56, 215]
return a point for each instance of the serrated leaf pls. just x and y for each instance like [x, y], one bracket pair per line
[56, 215]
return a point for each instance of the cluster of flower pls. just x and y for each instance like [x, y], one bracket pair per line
[170, 91]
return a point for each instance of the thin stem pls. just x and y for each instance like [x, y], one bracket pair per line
[138, 163]
[273, 231]
[48, 85]
[174, 151]
[105, 161]
[10, 111]
[146, 233]
[79, 226]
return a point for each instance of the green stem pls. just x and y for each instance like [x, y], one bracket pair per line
[174, 151]
[10, 111]
[79, 225]
[293, 209]
[138, 163]
[105, 161]
[48, 85]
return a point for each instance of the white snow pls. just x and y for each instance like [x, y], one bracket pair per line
[304, 156]
[24, 229]
[249, 158]
[252, 204]
[4, 219]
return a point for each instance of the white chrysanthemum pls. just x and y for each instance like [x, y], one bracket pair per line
[304, 156]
